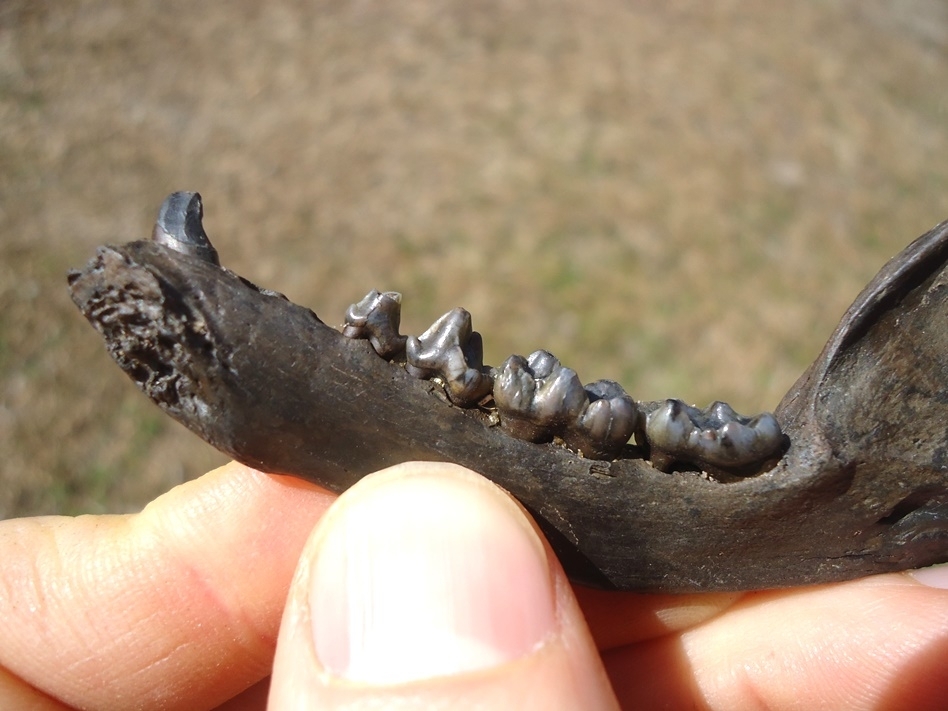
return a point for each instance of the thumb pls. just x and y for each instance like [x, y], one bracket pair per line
[426, 586]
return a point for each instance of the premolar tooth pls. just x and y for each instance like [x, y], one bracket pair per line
[717, 436]
[451, 350]
[377, 318]
[607, 424]
[537, 397]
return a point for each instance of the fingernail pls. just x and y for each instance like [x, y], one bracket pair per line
[935, 576]
[426, 572]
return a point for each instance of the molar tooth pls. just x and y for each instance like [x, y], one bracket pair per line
[377, 317]
[716, 436]
[537, 397]
[451, 350]
[180, 227]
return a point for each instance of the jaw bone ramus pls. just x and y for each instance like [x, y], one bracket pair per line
[853, 480]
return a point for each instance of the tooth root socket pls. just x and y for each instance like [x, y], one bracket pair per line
[377, 318]
[452, 351]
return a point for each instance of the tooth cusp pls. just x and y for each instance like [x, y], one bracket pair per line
[452, 351]
[377, 317]
[716, 436]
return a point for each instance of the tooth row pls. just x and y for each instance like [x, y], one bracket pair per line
[716, 436]
[539, 399]
[450, 350]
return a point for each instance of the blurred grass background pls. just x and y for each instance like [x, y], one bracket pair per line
[681, 196]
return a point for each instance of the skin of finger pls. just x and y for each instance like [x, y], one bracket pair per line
[175, 607]
[17, 694]
[617, 619]
[252, 699]
[878, 643]
[564, 672]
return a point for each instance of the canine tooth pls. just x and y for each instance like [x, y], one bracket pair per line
[452, 351]
[377, 317]
[180, 227]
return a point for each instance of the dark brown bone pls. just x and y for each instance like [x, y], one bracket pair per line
[862, 489]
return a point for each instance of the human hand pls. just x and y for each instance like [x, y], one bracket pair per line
[424, 586]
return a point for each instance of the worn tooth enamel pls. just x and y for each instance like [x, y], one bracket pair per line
[453, 352]
[717, 436]
[377, 318]
[537, 397]
[607, 424]
[180, 227]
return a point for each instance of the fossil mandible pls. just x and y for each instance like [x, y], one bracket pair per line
[853, 480]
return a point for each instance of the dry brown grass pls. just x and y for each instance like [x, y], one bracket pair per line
[681, 196]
